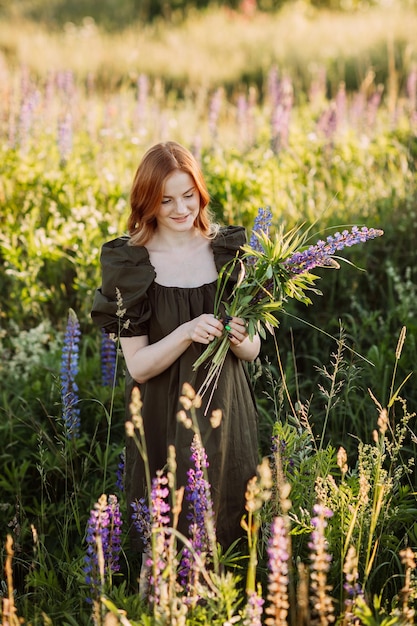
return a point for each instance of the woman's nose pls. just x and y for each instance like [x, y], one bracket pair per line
[181, 206]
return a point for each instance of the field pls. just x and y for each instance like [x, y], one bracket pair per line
[313, 114]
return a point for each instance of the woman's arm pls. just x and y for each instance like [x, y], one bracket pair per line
[145, 360]
[240, 344]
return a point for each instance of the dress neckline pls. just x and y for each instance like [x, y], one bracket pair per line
[178, 287]
[213, 282]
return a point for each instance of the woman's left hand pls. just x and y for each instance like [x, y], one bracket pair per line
[244, 348]
[236, 329]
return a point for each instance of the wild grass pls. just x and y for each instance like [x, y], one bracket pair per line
[223, 48]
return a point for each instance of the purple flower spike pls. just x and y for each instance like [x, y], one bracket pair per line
[200, 514]
[278, 552]
[320, 565]
[261, 224]
[108, 360]
[352, 587]
[120, 472]
[160, 519]
[160, 506]
[103, 543]
[142, 521]
[65, 137]
[69, 371]
[253, 610]
[320, 254]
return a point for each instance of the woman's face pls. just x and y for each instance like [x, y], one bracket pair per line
[180, 203]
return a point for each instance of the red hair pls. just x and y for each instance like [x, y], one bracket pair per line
[148, 188]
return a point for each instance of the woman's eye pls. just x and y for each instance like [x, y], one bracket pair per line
[189, 195]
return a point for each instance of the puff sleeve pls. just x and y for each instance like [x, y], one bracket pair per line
[121, 304]
[227, 243]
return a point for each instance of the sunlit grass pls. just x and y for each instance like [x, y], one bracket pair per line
[220, 47]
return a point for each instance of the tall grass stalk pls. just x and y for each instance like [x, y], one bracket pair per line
[109, 413]
[332, 394]
[9, 613]
[257, 493]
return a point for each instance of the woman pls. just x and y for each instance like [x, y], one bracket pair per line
[165, 273]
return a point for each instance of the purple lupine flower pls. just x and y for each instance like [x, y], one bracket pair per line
[273, 87]
[65, 83]
[142, 97]
[103, 543]
[373, 106]
[214, 112]
[11, 130]
[279, 448]
[25, 82]
[200, 515]
[341, 104]
[320, 564]
[141, 518]
[280, 121]
[69, 371]
[245, 117]
[108, 359]
[320, 254]
[196, 148]
[352, 588]
[327, 123]
[121, 471]
[160, 507]
[241, 115]
[160, 519]
[278, 556]
[261, 224]
[65, 137]
[198, 495]
[26, 115]
[49, 92]
[411, 89]
[252, 615]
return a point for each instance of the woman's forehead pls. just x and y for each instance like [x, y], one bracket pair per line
[178, 182]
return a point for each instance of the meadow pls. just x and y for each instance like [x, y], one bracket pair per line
[314, 115]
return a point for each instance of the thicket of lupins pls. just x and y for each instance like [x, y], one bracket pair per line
[330, 525]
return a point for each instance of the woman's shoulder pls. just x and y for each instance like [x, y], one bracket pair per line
[124, 266]
[229, 239]
[121, 303]
[119, 251]
[226, 243]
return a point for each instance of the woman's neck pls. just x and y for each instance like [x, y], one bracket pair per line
[164, 240]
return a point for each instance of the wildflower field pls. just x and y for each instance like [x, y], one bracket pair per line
[328, 140]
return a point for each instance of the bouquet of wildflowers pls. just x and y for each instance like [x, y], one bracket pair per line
[272, 270]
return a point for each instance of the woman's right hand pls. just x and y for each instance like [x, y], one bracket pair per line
[204, 328]
[145, 360]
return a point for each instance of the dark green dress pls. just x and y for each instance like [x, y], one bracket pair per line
[155, 310]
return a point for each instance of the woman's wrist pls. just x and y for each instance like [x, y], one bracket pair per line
[246, 350]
